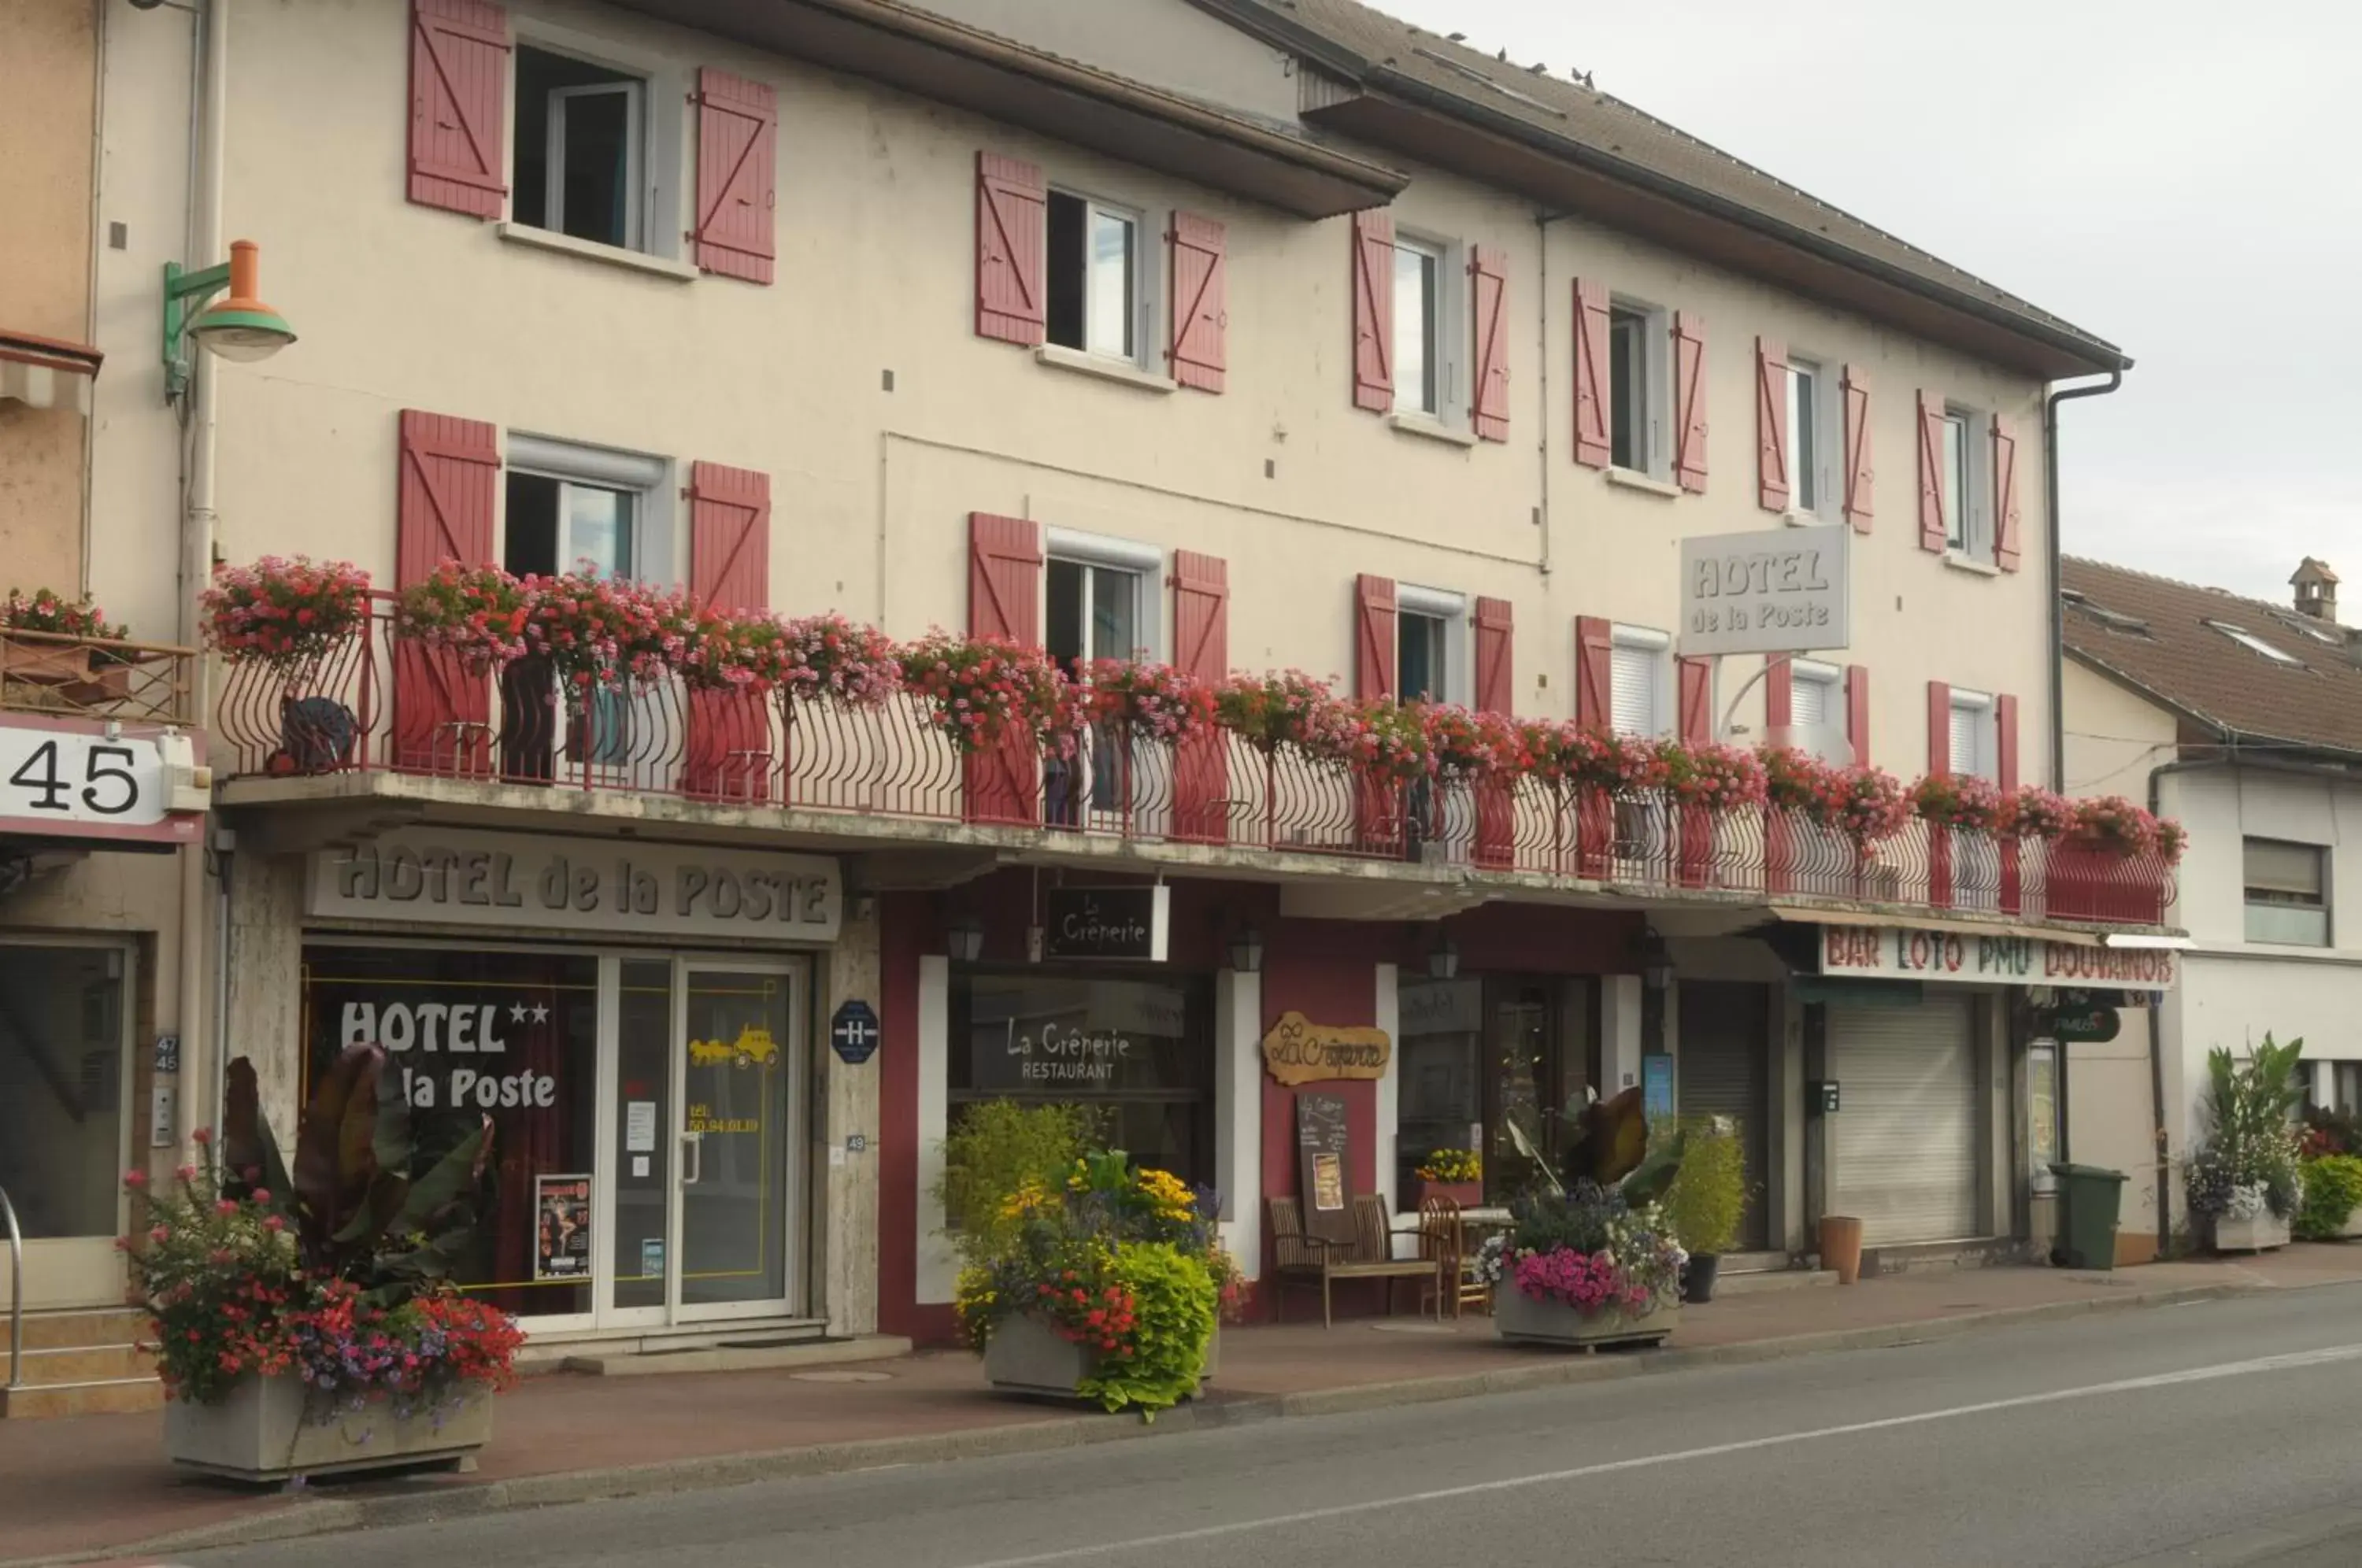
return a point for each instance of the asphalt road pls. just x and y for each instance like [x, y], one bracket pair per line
[2222, 1433]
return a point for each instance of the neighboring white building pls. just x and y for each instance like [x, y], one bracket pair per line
[2244, 719]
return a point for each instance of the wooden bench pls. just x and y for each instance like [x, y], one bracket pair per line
[1297, 1255]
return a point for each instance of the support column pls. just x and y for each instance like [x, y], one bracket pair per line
[1619, 1044]
[1386, 1013]
[846, 1160]
[938, 1264]
[266, 984]
[1238, 1114]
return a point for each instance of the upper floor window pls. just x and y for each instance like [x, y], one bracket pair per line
[580, 137]
[1640, 384]
[1817, 710]
[1430, 628]
[1097, 278]
[1418, 315]
[1092, 612]
[1639, 672]
[1803, 435]
[2288, 897]
[1968, 517]
[1973, 743]
[569, 507]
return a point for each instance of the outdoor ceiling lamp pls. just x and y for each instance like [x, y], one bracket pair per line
[1444, 958]
[965, 938]
[240, 328]
[1246, 950]
[1656, 962]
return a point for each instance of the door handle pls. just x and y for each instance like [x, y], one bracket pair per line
[693, 1144]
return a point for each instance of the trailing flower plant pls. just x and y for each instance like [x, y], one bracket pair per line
[1464, 744]
[832, 660]
[1866, 805]
[1146, 699]
[479, 613]
[284, 612]
[979, 689]
[598, 631]
[1718, 778]
[1959, 800]
[1268, 712]
[1793, 780]
[2114, 824]
[49, 612]
[2036, 813]
[1377, 738]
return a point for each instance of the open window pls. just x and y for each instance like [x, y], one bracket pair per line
[1639, 388]
[1100, 601]
[582, 153]
[1430, 639]
[1806, 387]
[1098, 278]
[1968, 511]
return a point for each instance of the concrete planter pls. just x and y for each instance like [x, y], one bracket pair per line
[1026, 1355]
[265, 1432]
[1518, 1319]
[2260, 1233]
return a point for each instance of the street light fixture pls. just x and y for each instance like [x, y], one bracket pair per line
[240, 328]
[1444, 958]
[1246, 951]
[965, 939]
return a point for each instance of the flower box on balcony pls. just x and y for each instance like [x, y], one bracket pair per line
[1518, 1319]
[43, 663]
[271, 1428]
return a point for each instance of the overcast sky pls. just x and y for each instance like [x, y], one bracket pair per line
[2177, 177]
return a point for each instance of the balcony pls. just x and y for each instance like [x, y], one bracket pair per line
[382, 705]
[59, 676]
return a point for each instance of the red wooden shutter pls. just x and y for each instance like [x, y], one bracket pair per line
[1858, 471]
[1857, 699]
[1375, 626]
[1595, 672]
[2006, 772]
[1594, 442]
[450, 470]
[1940, 727]
[1779, 702]
[1770, 424]
[1201, 315]
[1004, 600]
[1496, 692]
[459, 104]
[729, 751]
[1696, 677]
[1373, 310]
[1932, 530]
[1012, 202]
[1689, 400]
[1201, 647]
[2005, 512]
[737, 124]
[1488, 268]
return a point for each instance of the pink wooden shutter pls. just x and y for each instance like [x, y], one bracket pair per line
[1772, 480]
[1593, 443]
[1689, 400]
[729, 751]
[1012, 202]
[1201, 647]
[1373, 310]
[737, 124]
[1697, 676]
[459, 105]
[2005, 512]
[1595, 709]
[1496, 692]
[1779, 702]
[1931, 474]
[1375, 626]
[1488, 268]
[1201, 315]
[1857, 699]
[1694, 825]
[1004, 600]
[449, 472]
[2005, 775]
[1939, 761]
[1779, 719]
[1858, 471]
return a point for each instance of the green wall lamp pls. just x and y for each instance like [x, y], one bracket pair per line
[240, 328]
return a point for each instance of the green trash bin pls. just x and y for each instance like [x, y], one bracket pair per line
[2088, 1197]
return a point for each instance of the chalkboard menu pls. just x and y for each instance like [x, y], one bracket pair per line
[1323, 1145]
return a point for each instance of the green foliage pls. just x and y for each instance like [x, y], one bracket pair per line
[1709, 1194]
[2332, 1191]
[2250, 1149]
[357, 1212]
[994, 1150]
[1175, 1300]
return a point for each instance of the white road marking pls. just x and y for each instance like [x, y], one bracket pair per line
[1643, 1461]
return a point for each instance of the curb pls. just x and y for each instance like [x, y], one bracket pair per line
[461, 1501]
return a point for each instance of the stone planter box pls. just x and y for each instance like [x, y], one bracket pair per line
[263, 1431]
[2261, 1233]
[1025, 1356]
[1518, 1319]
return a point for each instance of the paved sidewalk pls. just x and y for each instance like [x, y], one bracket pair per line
[92, 1486]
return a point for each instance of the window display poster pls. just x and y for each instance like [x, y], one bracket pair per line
[640, 1127]
[561, 1207]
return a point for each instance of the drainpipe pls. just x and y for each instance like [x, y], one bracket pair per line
[2058, 606]
[1541, 369]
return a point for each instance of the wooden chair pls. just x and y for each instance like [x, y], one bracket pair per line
[1444, 1237]
[1297, 1255]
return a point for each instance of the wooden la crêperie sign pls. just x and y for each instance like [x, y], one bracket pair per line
[1298, 1051]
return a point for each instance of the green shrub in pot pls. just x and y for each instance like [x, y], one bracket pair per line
[1709, 1192]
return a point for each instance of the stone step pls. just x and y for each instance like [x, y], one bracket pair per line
[72, 1329]
[741, 1358]
[108, 1396]
[86, 1364]
[1756, 1281]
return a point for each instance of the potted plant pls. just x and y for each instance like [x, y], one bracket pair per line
[1708, 1196]
[2242, 1176]
[979, 690]
[1107, 1288]
[1455, 1173]
[306, 1325]
[45, 639]
[2333, 1197]
[284, 613]
[1591, 1260]
[480, 613]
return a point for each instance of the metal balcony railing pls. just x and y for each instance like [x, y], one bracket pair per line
[93, 678]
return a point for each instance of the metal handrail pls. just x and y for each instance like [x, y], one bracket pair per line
[16, 1293]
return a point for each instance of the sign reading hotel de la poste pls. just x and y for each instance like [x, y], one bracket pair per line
[1903, 953]
[1782, 590]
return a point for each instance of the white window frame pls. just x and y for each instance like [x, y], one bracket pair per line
[661, 148]
[1986, 764]
[634, 97]
[650, 479]
[1974, 516]
[1449, 349]
[1145, 562]
[1147, 278]
[1451, 609]
[2249, 904]
[1661, 717]
[1656, 392]
[1821, 461]
[1831, 742]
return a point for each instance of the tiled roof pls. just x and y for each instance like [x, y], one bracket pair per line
[1568, 110]
[2171, 640]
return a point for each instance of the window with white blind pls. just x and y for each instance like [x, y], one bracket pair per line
[1639, 671]
[1817, 710]
[1972, 736]
[2287, 892]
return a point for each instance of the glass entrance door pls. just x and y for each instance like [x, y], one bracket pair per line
[737, 1077]
[64, 1060]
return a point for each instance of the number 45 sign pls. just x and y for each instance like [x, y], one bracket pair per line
[74, 782]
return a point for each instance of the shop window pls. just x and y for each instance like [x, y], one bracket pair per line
[472, 1033]
[1140, 1053]
[1482, 1053]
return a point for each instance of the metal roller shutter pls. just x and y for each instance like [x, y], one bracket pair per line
[1725, 1071]
[1905, 1135]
